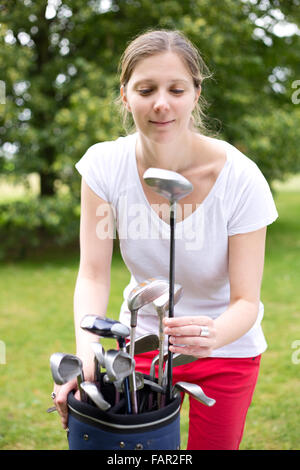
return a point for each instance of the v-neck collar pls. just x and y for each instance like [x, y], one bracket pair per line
[187, 219]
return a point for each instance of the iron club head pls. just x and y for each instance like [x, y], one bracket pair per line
[194, 391]
[95, 395]
[118, 365]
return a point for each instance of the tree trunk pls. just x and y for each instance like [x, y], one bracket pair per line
[47, 184]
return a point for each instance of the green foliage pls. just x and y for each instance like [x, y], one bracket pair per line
[37, 320]
[60, 71]
[36, 224]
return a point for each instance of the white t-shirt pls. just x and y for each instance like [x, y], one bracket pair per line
[240, 201]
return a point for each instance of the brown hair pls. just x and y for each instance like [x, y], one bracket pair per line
[155, 42]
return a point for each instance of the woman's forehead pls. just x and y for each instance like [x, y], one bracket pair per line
[166, 65]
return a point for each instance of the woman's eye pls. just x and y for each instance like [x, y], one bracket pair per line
[177, 91]
[145, 91]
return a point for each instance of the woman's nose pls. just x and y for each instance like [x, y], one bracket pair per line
[161, 103]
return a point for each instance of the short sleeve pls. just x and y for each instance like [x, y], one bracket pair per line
[94, 170]
[253, 204]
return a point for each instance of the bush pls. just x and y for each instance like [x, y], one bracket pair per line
[36, 224]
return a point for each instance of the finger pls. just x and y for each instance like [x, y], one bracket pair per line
[190, 330]
[180, 321]
[191, 351]
[62, 398]
[185, 330]
[190, 341]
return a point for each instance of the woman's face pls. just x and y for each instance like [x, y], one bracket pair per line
[161, 97]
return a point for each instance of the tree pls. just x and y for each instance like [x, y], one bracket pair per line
[59, 61]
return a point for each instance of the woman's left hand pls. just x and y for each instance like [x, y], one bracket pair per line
[195, 336]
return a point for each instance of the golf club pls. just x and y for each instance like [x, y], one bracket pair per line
[118, 365]
[145, 343]
[95, 395]
[65, 367]
[173, 187]
[162, 305]
[119, 384]
[107, 328]
[194, 391]
[156, 360]
[144, 293]
[99, 354]
[178, 360]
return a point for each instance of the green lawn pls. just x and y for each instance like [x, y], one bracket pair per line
[36, 320]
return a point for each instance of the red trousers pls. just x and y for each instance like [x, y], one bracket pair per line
[231, 382]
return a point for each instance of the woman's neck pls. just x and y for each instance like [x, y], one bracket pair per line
[178, 155]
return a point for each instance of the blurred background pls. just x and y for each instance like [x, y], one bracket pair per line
[58, 87]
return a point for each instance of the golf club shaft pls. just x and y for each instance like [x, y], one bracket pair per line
[122, 346]
[132, 378]
[171, 296]
[161, 357]
[83, 396]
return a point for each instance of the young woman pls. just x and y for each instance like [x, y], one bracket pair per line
[220, 236]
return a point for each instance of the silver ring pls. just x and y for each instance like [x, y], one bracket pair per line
[204, 331]
[53, 395]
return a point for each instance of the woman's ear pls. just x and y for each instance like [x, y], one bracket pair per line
[197, 94]
[124, 97]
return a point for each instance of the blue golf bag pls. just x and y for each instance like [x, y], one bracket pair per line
[90, 428]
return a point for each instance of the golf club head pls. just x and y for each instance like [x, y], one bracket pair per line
[95, 395]
[182, 359]
[144, 344]
[194, 391]
[154, 387]
[118, 365]
[104, 327]
[161, 304]
[144, 293]
[155, 360]
[65, 367]
[99, 353]
[169, 184]
[178, 360]
[119, 384]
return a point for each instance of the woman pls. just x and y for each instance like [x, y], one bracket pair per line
[220, 236]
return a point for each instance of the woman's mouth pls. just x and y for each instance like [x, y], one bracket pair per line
[162, 123]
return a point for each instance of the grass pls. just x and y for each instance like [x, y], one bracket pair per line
[37, 320]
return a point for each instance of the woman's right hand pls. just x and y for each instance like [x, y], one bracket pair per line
[61, 397]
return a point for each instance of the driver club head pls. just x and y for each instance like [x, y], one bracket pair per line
[104, 327]
[169, 184]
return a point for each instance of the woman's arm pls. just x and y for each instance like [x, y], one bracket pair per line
[93, 281]
[246, 261]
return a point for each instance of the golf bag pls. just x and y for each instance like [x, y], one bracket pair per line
[90, 428]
